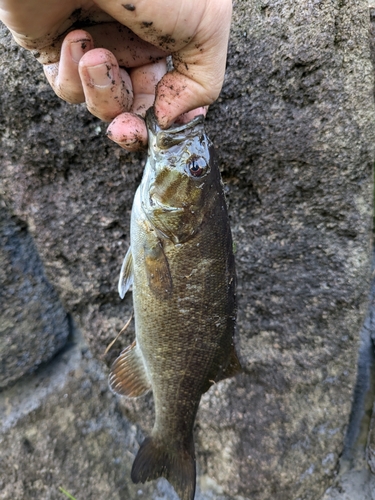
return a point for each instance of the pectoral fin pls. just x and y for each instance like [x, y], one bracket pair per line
[157, 269]
[126, 274]
[128, 375]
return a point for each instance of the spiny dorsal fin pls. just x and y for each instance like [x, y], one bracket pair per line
[126, 274]
[159, 459]
[128, 376]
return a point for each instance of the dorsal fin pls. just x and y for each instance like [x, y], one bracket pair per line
[128, 375]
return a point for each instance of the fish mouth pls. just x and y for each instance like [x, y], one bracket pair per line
[174, 135]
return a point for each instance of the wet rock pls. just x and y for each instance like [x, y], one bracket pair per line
[294, 131]
[33, 323]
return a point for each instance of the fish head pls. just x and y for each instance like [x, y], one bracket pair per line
[181, 178]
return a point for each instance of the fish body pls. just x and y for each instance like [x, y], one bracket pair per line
[181, 266]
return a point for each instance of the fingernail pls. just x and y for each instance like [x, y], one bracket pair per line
[101, 75]
[78, 48]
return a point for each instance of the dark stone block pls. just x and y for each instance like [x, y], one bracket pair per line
[33, 323]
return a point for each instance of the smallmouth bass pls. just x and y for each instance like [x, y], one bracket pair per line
[181, 266]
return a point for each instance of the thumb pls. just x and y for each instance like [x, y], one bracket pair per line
[198, 74]
[177, 93]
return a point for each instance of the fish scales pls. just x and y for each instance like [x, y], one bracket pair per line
[179, 339]
[181, 266]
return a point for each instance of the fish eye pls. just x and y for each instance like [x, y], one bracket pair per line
[196, 166]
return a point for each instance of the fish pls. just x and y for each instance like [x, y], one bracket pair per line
[181, 267]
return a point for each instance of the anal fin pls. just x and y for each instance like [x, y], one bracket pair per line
[128, 375]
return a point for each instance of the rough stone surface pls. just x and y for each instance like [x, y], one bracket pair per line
[72, 187]
[62, 428]
[295, 129]
[354, 485]
[354, 480]
[33, 324]
[370, 323]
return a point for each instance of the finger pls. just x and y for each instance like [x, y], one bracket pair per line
[199, 72]
[178, 95]
[64, 77]
[107, 88]
[145, 80]
[129, 131]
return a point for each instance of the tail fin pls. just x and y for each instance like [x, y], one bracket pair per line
[177, 464]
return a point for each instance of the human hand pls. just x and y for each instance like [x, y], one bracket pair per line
[194, 32]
